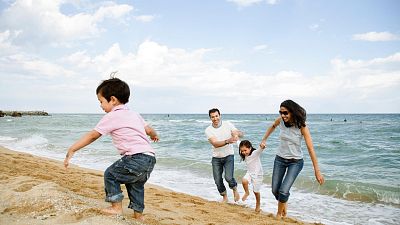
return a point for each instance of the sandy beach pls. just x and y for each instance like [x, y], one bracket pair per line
[36, 190]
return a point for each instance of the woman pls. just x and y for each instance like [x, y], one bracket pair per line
[289, 157]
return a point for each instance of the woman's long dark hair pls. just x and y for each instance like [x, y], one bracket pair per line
[298, 117]
[247, 144]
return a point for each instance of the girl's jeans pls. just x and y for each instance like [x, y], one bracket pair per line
[218, 166]
[284, 174]
[133, 171]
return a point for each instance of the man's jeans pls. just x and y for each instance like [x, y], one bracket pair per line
[282, 183]
[133, 171]
[218, 166]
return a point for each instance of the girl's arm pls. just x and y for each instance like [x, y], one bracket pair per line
[152, 133]
[82, 142]
[307, 138]
[269, 132]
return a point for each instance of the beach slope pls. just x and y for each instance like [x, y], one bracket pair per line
[36, 190]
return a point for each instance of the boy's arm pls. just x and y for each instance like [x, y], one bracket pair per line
[82, 142]
[152, 133]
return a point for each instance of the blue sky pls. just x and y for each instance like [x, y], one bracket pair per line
[242, 56]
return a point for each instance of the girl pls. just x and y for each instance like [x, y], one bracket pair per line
[289, 157]
[254, 172]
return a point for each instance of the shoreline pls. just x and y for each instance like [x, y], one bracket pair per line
[38, 190]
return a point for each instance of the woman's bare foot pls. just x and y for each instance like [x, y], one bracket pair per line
[284, 210]
[114, 209]
[246, 194]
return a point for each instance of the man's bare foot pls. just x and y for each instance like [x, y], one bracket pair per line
[224, 199]
[138, 216]
[236, 194]
[246, 194]
[284, 210]
[112, 211]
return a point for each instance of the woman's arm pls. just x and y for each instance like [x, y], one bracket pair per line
[269, 131]
[307, 138]
[82, 142]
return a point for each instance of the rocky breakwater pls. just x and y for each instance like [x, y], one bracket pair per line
[23, 113]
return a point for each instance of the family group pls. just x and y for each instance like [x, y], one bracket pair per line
[130, 135]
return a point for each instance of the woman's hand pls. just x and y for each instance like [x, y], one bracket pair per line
[263, 144]
[319, 177]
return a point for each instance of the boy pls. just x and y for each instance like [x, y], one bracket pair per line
[128, 131]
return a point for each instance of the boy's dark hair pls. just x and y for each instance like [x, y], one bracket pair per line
[299, 115]
[247, 144]
[213, 111]
[114, 87]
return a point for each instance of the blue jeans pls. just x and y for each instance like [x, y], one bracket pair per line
[133, 171]
[218, 166]
[284, 174]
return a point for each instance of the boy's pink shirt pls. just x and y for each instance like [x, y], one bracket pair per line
[126, 129]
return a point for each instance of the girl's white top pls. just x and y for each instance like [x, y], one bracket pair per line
[253, 163]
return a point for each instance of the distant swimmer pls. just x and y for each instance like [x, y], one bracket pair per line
[345, 120]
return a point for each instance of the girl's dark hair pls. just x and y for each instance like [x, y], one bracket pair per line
[114, 87]
[299, 115]
[247, 144]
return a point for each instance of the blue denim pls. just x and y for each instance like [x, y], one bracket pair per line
[218, 166]
[284, 174]
[133, 171]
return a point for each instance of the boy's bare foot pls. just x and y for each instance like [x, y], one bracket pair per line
[236, 194]
[246, 194]
[138, 216]
[114, 209]
[111, 211]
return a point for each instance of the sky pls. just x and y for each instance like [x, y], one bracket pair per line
[179, 56]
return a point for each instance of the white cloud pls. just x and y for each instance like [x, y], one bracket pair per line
[260, 48]
[247, 3]
[376, 36]
[145, 18]
[41, 21]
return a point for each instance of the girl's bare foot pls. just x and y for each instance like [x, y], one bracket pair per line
[246, 194]
[258, 210]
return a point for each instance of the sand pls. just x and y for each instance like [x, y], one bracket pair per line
[36, 190]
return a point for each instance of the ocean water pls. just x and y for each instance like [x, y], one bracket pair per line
[359, 157]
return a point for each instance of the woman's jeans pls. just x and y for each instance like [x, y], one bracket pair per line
[218, 166]
[133, 171]
[284, 174]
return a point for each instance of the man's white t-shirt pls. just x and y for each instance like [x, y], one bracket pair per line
[221, 133]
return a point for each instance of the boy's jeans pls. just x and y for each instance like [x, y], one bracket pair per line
[282, 183]
[218, 166]
[133, 171]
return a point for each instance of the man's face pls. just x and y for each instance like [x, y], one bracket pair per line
[215, 118]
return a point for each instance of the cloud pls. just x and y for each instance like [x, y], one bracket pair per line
[145, 18]
[42, 21]
[376, 36]
[260, 48]
[247, 3]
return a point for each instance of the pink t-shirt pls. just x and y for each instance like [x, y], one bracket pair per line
[126, 129]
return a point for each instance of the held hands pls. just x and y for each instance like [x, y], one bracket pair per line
[155, 138]
[263, 144]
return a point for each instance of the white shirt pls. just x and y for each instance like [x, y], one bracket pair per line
[223, 132]
[253, 163]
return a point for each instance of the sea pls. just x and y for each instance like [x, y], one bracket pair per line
[359, 155]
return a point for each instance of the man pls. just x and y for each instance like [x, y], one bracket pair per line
[221, 135]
